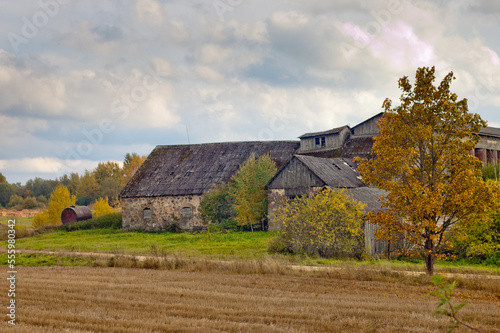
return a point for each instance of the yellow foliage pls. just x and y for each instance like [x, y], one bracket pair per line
[102, 207]
[59, 199]
[327, 223]
[423, 163]
[131, 165]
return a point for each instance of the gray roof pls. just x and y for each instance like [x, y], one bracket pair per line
[334, 172]
[368, 195]
[332, 131]
[194, 169]
[490, 131]
[357, 146]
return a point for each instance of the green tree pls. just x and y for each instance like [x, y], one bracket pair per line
[3, 180]
[250, 198]
[59, 199]
[88, 186]
[423, 162]
[327, 223]
[110, 188]
[217, 205]
[6, 192]
[107, 170]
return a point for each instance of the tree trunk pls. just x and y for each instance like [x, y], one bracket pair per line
[429, 256]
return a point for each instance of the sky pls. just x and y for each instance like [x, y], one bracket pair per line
[83, 82]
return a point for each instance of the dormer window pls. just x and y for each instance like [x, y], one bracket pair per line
[320, 142]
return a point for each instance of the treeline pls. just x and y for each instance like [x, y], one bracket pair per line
[105, 181]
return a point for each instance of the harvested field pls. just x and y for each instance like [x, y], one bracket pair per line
[98, 299]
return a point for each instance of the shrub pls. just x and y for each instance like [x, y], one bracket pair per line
[479, 240]
[327, 224]
[108, 221]
[217, 205]
[102, 207]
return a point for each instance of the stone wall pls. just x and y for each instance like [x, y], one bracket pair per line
[160, 213]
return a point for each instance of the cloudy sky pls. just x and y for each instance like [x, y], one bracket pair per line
[88, 81]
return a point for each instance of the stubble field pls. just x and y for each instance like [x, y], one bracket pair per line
[103, 299]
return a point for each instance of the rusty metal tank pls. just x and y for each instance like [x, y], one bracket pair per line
[75, 213]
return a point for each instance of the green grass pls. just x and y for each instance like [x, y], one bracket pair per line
[230, 245]
[37, 259]
[24, 222]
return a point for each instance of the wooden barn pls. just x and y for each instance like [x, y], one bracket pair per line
[168, 188]
[304, 175]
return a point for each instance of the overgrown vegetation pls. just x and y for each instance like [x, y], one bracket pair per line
[327, 224]
[217, 208]
[108, 221]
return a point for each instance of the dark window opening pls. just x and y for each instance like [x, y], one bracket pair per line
[320, 142]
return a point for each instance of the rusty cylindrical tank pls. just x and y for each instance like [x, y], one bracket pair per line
[75, 213]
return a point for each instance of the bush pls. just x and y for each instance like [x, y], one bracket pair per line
[102, 207]
[478, 241]
[327, 224]
[109, 221]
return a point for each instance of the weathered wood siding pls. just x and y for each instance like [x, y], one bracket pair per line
[373, 246]
[368, 127]
[335, 140]
[295, 175]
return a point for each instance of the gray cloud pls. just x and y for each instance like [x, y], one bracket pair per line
[264, 70]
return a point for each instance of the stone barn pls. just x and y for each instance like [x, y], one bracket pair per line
[303, 175]
[168, 187]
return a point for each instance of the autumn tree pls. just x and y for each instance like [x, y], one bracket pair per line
[326, 223]
[102, 207]
[59, 199]
[131, 163]
[422, 160]
[250, 198]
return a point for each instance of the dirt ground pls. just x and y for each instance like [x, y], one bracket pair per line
[97, 299]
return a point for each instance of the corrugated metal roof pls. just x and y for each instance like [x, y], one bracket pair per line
[332, 131]
[334, 172]
[194, 169]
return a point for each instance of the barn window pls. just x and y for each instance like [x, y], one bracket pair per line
[147, 214]
[186, 212]
[320, 142]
